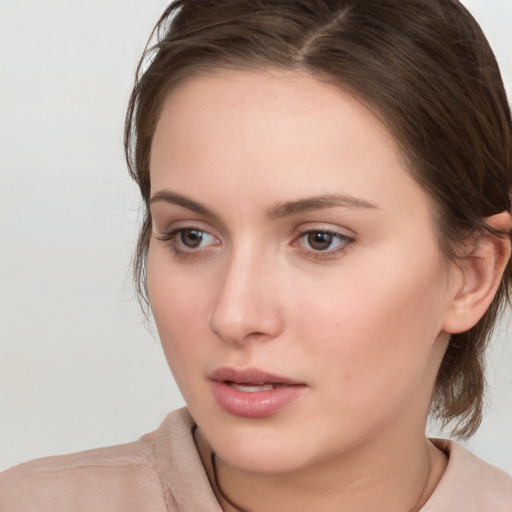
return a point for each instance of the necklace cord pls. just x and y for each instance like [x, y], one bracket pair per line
[238, 508]
[219, 488]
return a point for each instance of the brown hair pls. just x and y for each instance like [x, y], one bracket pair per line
[423, 66]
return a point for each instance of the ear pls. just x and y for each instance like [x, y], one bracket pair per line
[479, 276]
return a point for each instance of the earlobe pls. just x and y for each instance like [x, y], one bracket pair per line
[480, 275]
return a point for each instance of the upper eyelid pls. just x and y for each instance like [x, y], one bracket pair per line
[326, 227]
[332, 231]
[179, 229]
[184, 224]
[348, 238]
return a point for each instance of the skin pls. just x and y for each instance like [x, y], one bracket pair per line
[363, 323]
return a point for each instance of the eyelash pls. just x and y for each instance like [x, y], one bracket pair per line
[180, 250]
[345, 242]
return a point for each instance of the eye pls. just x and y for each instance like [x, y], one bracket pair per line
[323, 241]
[188, 241]
[193, 238]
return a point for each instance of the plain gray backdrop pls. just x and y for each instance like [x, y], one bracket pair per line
[77, 367]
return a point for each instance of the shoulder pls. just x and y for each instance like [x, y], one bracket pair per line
[161, 472]
[470, 484]
[95, 479]
[116, 478]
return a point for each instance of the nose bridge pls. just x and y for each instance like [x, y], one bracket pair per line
[246, 303]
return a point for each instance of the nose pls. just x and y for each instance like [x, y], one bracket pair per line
[246, 308]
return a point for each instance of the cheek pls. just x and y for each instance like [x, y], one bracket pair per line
[180, 308]
[375, 333]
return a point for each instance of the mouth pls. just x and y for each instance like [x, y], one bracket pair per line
[250, 379]
[255, 388]
[252, 393]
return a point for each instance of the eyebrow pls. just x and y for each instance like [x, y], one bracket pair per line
[279, 210]
[178, 199]
[317, 203]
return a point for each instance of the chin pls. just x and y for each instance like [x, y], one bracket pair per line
[262, 459]
[260, 447]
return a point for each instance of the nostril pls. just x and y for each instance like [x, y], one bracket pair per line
[245, 310]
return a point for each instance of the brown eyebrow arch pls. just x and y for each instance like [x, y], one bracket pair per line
[178, 199]
[316, 203]
[280, 210]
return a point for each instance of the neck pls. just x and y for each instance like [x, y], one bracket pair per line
[401, 477]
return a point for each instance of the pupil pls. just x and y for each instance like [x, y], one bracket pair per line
[320, 241]
[191, 237]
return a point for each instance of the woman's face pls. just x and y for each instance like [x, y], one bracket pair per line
[293, 271]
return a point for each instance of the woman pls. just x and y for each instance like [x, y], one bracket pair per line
[325, 251]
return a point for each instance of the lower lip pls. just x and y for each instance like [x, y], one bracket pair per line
[257, 404]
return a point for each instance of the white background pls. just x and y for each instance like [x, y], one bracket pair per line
[77, 367]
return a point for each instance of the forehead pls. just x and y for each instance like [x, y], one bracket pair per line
[284, 102]
[247, 129]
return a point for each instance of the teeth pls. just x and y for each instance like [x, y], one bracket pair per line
[252, 388]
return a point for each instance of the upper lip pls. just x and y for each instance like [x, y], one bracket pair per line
[248, 376]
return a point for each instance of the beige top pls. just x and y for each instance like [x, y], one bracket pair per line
[162, 472]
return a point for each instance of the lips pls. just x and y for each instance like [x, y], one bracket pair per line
[254, 388]
[248, 376]
[253, 393]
